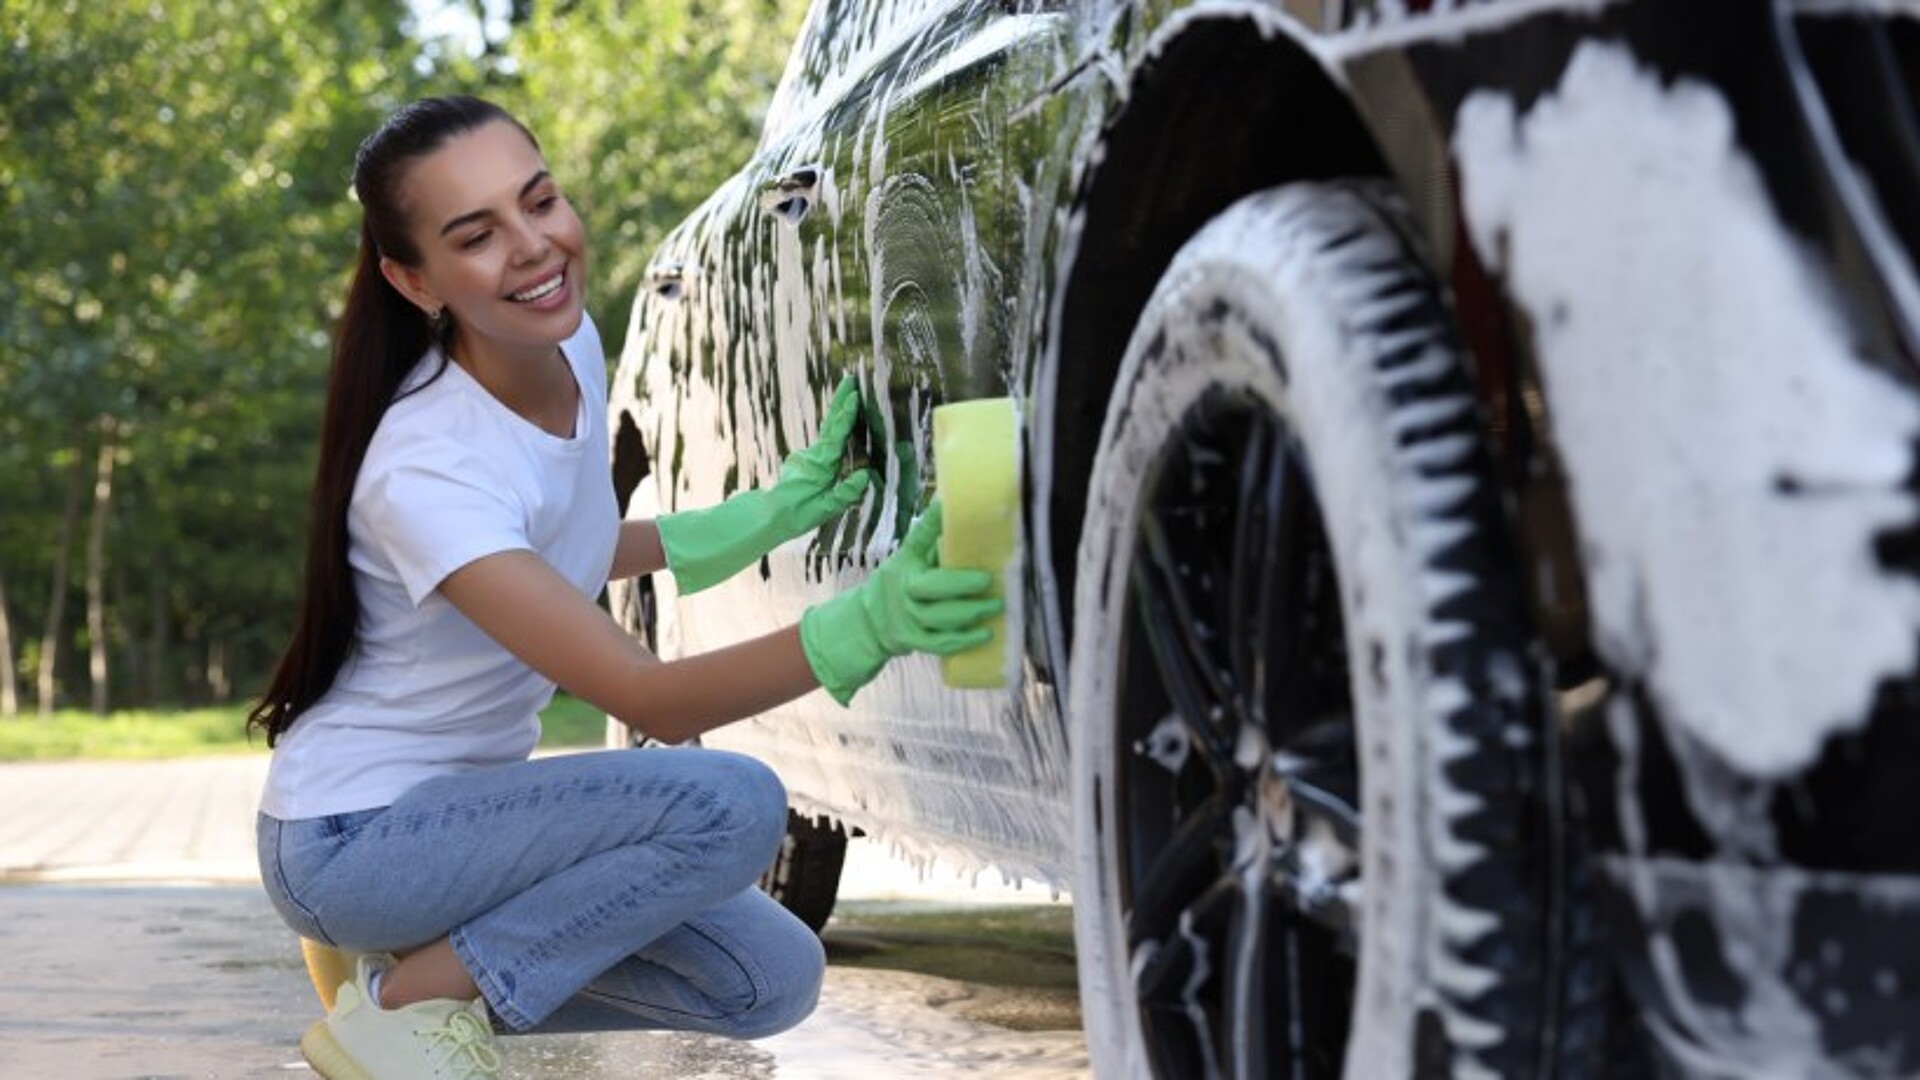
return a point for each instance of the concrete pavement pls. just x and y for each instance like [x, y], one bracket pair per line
[135, 943]
[189, 820]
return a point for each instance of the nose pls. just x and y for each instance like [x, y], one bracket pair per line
[531, 244]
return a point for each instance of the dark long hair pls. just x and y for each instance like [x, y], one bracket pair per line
[379, 339]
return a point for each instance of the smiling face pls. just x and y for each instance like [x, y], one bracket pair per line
[500, 247]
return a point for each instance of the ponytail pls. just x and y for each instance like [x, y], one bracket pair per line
[379, 339]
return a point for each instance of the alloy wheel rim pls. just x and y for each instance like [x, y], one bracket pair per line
[1237, 779]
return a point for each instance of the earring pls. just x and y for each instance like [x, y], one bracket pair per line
[437, 321]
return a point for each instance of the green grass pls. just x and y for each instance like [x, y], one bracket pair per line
[140, 734]
[132, 734]
[570, 722]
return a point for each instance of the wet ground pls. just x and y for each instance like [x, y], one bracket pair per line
[135, 949]
[204, 981]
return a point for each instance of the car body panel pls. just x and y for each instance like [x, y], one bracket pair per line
[1686, 274]
[897, 272]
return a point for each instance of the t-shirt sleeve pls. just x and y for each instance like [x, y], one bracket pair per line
[431, 518]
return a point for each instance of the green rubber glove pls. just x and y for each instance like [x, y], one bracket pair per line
[910, 604]
[706, 547]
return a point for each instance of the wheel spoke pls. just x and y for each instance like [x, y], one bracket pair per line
[1324, 815]
[1164, 970]
[1242, 1028]
[1262, 570]
[1181, 648]
[1315, 988]
[1183, 960]
[1180, 871]
[1319, 768]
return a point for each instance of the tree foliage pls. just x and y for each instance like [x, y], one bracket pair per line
[641, 110]
[174, 205]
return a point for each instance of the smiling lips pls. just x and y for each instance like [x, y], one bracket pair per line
[545, 289]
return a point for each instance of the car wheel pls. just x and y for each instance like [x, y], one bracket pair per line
[1310, 763]
[805, 875]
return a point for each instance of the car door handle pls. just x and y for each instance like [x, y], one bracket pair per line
[668, 280]
[791, 196]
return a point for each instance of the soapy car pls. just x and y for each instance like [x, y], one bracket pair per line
[1470, 577]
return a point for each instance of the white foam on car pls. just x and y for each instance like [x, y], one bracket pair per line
[1730, 459]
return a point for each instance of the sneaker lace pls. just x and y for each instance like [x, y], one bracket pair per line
[464, 1048]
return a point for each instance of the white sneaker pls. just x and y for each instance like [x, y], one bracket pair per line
[440, 1039]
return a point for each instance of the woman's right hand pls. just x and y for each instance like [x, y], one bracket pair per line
[910, 604]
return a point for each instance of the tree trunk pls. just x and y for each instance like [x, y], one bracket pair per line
[159, 636]
[48, 683]
[9, 678]
[218, 685]
[97, 643]
[133, 645]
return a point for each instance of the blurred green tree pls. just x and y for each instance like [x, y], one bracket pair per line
[642, 110]
[175, 210]
[173, 204]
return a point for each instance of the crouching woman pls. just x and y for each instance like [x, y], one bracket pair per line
[463, 520]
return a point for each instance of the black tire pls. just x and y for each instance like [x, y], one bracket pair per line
[1316, 823]
[805, 876]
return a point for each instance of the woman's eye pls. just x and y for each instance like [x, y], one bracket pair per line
[475, 240]
[545, 203]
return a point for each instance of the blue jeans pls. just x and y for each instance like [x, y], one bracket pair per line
[582, 892]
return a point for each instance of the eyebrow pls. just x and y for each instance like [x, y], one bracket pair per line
[463, 219]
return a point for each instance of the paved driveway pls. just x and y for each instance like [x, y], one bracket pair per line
[135, 942]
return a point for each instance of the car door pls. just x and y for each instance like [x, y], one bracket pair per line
[876, 232]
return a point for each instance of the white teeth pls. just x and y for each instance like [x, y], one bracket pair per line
[553, 283]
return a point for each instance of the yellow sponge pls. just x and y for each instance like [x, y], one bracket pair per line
[976, 446]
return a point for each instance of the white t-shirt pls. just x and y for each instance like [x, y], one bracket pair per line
[451, 475]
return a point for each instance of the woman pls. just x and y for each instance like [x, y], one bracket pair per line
[463, 519]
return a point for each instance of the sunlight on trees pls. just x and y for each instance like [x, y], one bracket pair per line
[174, 204]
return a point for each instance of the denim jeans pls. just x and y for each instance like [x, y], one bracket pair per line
[581, 892]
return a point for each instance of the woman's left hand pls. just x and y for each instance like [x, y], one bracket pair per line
[811, 489]
[705, 547]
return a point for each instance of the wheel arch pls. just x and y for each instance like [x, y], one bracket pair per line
[1218, 107]
[631, 461]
